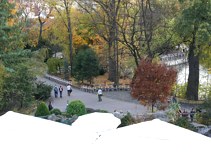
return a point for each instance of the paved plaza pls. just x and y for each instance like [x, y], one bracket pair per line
[110, 103]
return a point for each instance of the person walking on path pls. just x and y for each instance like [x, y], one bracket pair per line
[174, 99]
[50, 107]
[60, 91]
[192, 112]
[56, 91]
[69, 89]
[100, 94]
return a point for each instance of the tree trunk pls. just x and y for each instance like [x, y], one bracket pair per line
[69, 29]
[153, 104]
[40, 32]
[193, 77]
[113, 44]
[112, 70]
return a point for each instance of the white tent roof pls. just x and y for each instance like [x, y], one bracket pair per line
[23, 133]
[97, 122]
[153, 136]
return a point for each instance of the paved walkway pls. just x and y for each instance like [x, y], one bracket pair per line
[91, 101]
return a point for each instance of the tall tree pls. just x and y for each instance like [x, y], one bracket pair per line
[86, 64]
[15, 76]
[193, 26]
[104, 15]
[10, 35]
[145, 27]
[65, 5]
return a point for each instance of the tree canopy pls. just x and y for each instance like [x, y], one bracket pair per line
[86, 64]
[152, 82]
[194, 28]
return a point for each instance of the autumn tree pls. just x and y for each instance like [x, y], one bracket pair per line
[10, 34]
[63, 8]
[104, 15]
[152, 82]
[145, 27]
[16, 80]
[43, 12]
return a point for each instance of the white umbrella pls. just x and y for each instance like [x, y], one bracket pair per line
[97, 122]
[23, 133]
[151, 136]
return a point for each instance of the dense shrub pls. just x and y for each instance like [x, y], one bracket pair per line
[76, 108]
[54, 64]
[56, 111]
[204, 113]
[173, 111]
[205, 92]
[203, 118]
[180, 90]
[90, 110]
[42, 91]
[85, 64]
[184, 123]
[127, 120]
[102, 70]
[42, 110]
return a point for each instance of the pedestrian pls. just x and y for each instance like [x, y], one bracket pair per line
[100, 94]
[192, 113]
[50, 107]
[69, 89]
[174, 99]
[185, 114]
[60, 91]
[56, 91]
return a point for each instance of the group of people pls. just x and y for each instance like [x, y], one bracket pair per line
[185, 113]
[59, 90]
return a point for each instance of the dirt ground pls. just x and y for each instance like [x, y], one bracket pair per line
[103, 79]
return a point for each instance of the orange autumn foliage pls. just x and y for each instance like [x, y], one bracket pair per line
[152, 82]
[11, 21]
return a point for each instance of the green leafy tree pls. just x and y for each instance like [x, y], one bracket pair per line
[17, 88]
[193, 26]
[17, 82]
[54, 64]
[10, 33]
[42, 91]
[86, 64]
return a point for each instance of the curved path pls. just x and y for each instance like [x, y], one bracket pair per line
[91, 101]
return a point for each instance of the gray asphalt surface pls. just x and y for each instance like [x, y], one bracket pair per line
[111, 101]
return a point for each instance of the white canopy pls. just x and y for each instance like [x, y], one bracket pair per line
[23, 133]
[153, 136]
[97, 122]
